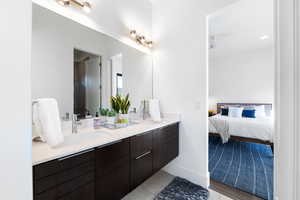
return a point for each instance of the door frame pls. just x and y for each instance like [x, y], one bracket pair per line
[287, 100]
[287, 86]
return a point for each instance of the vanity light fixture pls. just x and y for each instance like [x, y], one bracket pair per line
[133, 34]
[150, 44]
[140, 39]
[85, 6]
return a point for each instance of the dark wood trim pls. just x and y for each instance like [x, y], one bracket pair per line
[245, 139]
[231, 192]
[268, 106]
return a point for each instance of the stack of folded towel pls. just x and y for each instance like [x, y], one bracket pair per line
[46, 121]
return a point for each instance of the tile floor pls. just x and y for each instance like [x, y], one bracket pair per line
[150, 188]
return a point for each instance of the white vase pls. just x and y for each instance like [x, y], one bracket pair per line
[124, 118]
[102, 119]
[111, 120]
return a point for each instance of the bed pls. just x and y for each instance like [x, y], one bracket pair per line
[257, 130]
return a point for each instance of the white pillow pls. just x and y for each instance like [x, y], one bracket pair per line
[235, 112]
[260, 111]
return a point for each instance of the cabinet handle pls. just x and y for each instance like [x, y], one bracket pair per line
[143, 155]
[77, 154]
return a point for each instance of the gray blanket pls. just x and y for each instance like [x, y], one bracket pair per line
[221, 126]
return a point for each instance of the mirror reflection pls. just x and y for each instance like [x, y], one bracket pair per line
[87, 83]
[82, 68]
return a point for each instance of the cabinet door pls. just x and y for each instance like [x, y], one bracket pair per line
[114, 185]
[141, 158]
[157, 151]
[141, 144]
[113, 171]
[141, 168]
[165, 146]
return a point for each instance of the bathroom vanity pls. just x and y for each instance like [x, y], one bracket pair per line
[108, 171]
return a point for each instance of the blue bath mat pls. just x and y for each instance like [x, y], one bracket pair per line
[243, 165]
[181, 189]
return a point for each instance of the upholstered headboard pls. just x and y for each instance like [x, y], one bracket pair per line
[268, 106]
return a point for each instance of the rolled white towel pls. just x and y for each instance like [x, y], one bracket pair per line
[154, 110]
[47, 121]
[36, 125]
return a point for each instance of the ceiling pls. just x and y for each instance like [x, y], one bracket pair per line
[205, 6]
[241, 26]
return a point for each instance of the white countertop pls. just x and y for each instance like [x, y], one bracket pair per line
[90, 138]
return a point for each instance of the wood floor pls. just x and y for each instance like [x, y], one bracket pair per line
[231, 192]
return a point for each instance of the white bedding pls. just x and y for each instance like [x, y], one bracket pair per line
[257, 128]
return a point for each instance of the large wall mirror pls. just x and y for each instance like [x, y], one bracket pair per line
[83, 68]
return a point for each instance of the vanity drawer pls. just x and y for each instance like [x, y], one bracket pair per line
[46, 169]
[53, 167]
[59, 191]
[48, 182]
[86, 192]
[75, 184]
[141, 144]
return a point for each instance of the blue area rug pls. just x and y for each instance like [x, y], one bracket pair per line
[181, 189]
[243, 165]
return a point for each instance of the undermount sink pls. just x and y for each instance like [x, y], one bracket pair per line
[83, 136]
[146, 122]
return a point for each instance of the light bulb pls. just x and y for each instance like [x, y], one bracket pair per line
[133, 34]
[150, 44]
[86, 7]
[63, 2]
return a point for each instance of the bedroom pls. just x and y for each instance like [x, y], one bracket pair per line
[241, 99]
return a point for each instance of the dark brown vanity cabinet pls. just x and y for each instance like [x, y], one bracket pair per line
[141, 158]
[107, 172]
[71, 177]
[113, 171]
[165, 146]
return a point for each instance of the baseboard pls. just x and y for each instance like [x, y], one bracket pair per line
[188, 174]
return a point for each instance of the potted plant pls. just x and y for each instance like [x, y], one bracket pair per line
[103, 114]
[121, 106]
[115, 103]
[124, 108]
[111, 117]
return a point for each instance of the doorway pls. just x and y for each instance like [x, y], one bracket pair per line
[87, 83]
[241, 99]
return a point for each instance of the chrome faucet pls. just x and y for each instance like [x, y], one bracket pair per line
[75, 123]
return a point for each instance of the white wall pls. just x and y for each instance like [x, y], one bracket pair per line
[15, 126]
[179, 29]
[52, 60]
[113, 17]
[246, 77]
